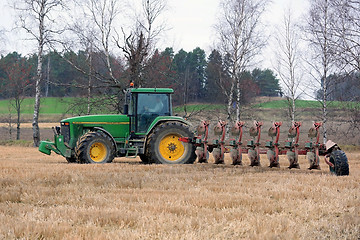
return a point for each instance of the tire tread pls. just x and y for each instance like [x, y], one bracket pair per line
[341, 163]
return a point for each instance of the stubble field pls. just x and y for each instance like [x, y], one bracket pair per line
[43, 197]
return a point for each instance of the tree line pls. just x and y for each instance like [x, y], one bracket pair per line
[192, 75]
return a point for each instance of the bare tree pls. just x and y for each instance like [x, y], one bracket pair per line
[18, 74]
[15, 80]
[85, 35]
[346, 30]
[240, 39]
[140, 43]
[288, 60]
[92, 32]
[135, 50]
[320, 36]
[148, 21]
[95, 34]
[37, 19]
[346, 42]
[104, 13]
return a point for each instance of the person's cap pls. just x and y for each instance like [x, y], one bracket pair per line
[329, 144]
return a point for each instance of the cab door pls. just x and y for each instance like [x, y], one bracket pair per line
[148, 107]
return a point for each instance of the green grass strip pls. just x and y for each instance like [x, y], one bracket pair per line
[279, 104]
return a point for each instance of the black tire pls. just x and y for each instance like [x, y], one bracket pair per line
[340, 161]
[144, 158]
[71, 159]
[163, 146]
[95, 147]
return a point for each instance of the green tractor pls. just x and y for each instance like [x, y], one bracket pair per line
[146, 129]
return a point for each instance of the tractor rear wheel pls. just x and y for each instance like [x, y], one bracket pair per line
[340, 161]
[143, 158]
[71, 159]
[95, 147]
[163, 145]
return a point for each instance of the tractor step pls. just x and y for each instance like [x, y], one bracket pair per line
[132, 152]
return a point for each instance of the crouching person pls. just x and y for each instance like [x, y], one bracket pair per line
[336, 159]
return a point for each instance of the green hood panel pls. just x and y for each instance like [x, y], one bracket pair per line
[92, 119]
[116, 125]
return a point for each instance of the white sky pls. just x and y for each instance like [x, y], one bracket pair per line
[190, 22]
[193, 21]
[190, 25]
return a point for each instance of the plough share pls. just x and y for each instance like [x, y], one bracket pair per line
[313, 149]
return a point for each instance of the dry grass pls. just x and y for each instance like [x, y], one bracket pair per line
[43, 197]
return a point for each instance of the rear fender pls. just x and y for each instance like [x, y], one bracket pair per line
[162, 119]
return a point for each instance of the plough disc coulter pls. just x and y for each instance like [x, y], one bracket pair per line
[219, 146]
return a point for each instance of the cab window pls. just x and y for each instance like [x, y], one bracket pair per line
[150, 106]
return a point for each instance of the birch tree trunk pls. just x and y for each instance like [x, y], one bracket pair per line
[35, 123]
[238, 98]
[324, 109]
[18, 109]
[230, 102]
[89, 82]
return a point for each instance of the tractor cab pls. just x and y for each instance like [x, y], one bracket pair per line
[143, 105]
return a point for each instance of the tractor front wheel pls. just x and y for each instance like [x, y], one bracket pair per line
[95, 147]
[163, 145]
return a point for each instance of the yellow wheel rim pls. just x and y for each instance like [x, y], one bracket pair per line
[98, 152]
[171, 148]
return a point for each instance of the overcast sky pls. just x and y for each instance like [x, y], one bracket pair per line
[193, 20]
[190, 24]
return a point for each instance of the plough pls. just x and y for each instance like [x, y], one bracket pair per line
[218, 146]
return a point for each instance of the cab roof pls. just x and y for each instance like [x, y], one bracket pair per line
[151, 90]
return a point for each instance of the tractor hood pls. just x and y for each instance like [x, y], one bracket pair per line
[97, 119]
[116, 125]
